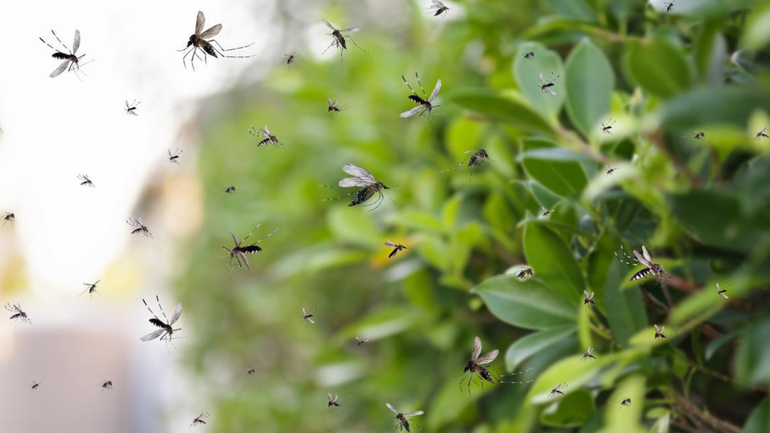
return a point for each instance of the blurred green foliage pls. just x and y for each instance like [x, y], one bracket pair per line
[702, 207]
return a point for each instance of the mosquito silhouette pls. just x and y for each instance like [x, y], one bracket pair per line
[530, 55]
[107, 384]
[288, 59]
[139, 228]
[230, 189]
[203, 42]
[479, 158]
[425, 102]
[34, 386]
[588, 354]
[439, 7]
[762, 134]
[333, 108]
[669, 5]
[339, 39]
[85, 181]
[9, 218]
[174, 157]
[239, 251]
[71, 61]
[403, 422]
[546, 86]
[131, 108]
[525, 273]
[18, 313]
[557, 390]
[606, 128]
[268, 137]
[364, 180]
[722, 292]
[307, 315]
[333, 403]
[476, 364]
[646, 260]
[396, 248]
[360, 341]
[166, 330]
[610, 170]
[199, 420]
[659, 332]
[91, 288]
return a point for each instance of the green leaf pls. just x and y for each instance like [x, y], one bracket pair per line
[756, 33]
[759, 420]
[727, 105]
[358, 229]
[589, 82]
[626, 313]
[573, 410]
[495, 107]
[573, 9]
[553, 262]
[526, 72]
[526, 304]
[752, 362]
[659, 67]
[562, 177]
[533, 343]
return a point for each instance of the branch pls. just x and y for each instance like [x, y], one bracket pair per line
[691, 410]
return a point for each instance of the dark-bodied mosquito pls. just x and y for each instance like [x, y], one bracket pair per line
[529, 55]
[440, 8]
[166, 330]
[107, 384]
[202, 40]
[425, 102]
[403, 422]
[722, 292]
[174, 157]
[547, 85]
[131, 108]
[333, 402]
[546, 212]
[646, 260]
[230, 189]
[307, 315]
[699, 135]
[476, 364]
[9, 217]
[368, 184]
[669, 5]
[588, 299]
[288, 59]
[659, 332]
[238, 252]
[71, 61]
[478, 159]
[34, 386]
[761, 134]
[85, 181]
[396, 248]
[625, 403]
[251, 372]
[360, 341]
[266, 135]
[139, 228]
[334, 108]
[606, 127]
[557, 390]
[199, 420]
[589, 354]
[525, 274]
[610, 170]
[91, 288]
[339, 39]
[18, 313]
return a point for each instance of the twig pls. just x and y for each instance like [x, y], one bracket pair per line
[659, 142]
[690, 409]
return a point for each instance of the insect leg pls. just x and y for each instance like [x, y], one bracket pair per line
[327, 48]
[354, 43]
[269, 234]
[410, 87]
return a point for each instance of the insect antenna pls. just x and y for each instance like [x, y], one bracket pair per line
[633, 262]
[516, 373]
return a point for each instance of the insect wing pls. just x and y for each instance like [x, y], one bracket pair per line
[332, 399]
[551, 91]
[153, 335]
[212, 31]
[488, 358]
[359, 172]
[350, 30]
[390, 243]
[435, 91]
[646, 254]
[329, 25]
[392, 409]
[415, 413]
[199, 22]
[411, 112]
[177, 313]
[657, 331]
[352, 181]
[642, 259]
[56, 72]
[541, 80]
[76, 42]
[476, 348]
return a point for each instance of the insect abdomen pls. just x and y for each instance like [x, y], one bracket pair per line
[362, 196]
[641, 274]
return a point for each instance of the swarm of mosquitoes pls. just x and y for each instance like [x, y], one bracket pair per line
[201, 45]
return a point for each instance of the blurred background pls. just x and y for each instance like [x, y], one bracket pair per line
[415, 310]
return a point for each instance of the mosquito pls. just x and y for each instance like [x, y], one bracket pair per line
[659, 331]
[699, 135]
[530, 55]
[251, 372]
[403, 423]
[238, 253]
[588, 298]
[199, 419]
[18, 313]
[762, 134]
[478, 159]
[85, 181]
[268, 137]
[131, 108]
[610, 170]
[202, 40]
[334, 108]
[333, 403]
[589, 354]
[625, 403]
[476, 364]
[9, 218]
[646, 260]
[546, 85]
[34, 386]
[307, 315]
[546, 212]
[368, 184]
[423, 105]
[360, 341]
[289, 59]
[557, 389]
[525, 273]
[669, 5]
[107, 384]
[71, 59]
[91, 288]
[721, 292]
[230, 189]
[174, 157]
[139, 228]
[606, 128]
[339, 39]
[166, 330]
[396, 248]
[440, 8]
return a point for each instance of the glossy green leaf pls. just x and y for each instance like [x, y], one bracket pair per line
[756, 33]
[589, 82]
[726, 105]
[752, 362]
[562, 177]
[495, 107]
[525, 347]
[573, 9]
[527, 72]
[759, 420]
[626, 313]
[526, 304]
[659, 67]
[553, 262]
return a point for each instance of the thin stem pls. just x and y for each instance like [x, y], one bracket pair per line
[691, 410]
